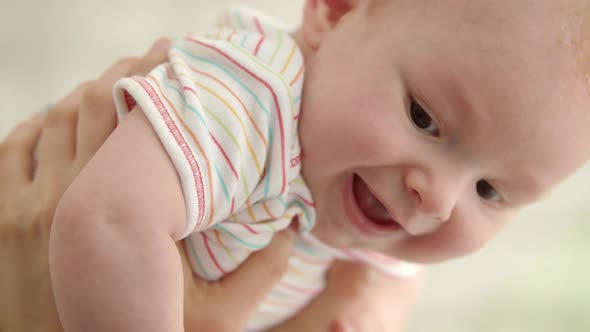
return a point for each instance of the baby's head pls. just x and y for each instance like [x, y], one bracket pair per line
[427, 124]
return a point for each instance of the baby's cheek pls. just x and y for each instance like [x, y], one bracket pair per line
[472, 235]
[455, 240]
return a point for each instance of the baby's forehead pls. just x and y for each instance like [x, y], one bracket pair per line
[518, 62]
[556, 17]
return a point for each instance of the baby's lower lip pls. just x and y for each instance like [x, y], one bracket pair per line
[359, 220]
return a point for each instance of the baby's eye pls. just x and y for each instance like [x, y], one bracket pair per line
[422, 119]
[486, 191]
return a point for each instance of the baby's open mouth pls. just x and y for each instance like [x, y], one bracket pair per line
[370, 205]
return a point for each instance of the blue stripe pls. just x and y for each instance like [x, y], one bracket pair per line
[230, 74]
[244, 40]
[225, 191]
[239, 19]
[280, 198]
[196, 257]
[307, 249]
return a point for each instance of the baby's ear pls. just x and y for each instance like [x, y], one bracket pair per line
[320, 16]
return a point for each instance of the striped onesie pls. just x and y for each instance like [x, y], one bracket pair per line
[226, 108]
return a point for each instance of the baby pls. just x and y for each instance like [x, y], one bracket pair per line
[414, 132]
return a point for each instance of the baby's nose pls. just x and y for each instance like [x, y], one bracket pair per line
[434, 197]
[432, 210]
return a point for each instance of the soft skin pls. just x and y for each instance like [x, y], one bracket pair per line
[454, 115]
[505, 100]
[60, 144]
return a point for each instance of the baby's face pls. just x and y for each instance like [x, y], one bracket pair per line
[425, 128]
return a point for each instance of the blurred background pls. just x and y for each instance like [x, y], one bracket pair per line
[534, 277]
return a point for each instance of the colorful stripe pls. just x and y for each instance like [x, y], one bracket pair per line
[230, 105]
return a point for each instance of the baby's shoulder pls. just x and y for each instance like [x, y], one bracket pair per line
[262, 44]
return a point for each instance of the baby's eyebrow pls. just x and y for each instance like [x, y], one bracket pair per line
[460, 101]
[459, 96]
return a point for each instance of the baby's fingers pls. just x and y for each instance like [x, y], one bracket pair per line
[16, 153]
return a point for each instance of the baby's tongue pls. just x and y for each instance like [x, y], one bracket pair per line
[369, 204]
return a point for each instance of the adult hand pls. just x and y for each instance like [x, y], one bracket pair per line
[357, 299]
[227, 305]
[63, 140]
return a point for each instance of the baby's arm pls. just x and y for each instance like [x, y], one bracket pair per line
[113, 260]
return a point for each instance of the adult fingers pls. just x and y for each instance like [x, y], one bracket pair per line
[130, 66]
[16, 153]
[71, 102]
[97, 118]
[97, 115]
[157, 54]
[57, 144]
[267, 267]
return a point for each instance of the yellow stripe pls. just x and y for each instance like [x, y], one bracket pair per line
[293, 270]
[228, 89]
[270, 215]
[233, 111]
[219, 122]
[279, 44]
[298, 181]
[268, 69]
[293, 49]
[248, 204]
[227, 251]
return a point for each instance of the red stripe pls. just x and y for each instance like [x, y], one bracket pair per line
[211, 253]
[186, 88]
[224, 155]
[233, 202]
[215, 140]
[304, 200]
[275, 99]
[250, 229]
[258, 45]
[258, 26]
[181, 142]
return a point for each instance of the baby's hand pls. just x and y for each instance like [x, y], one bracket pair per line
[375, 302]
[357, 299]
